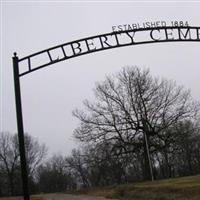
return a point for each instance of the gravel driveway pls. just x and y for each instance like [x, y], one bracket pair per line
[72, 197]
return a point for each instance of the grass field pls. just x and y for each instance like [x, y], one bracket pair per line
[185, 188]
[33, 197]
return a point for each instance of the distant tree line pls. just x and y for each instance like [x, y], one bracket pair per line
[138, 128]
[10, 171]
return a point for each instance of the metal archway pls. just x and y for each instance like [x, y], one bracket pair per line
[86, 46]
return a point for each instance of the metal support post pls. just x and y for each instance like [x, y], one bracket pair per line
[24, 173]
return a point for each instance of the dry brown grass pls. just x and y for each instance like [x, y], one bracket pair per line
[33, 197]
[185, 188]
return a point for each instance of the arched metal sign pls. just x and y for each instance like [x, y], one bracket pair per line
[86, 46]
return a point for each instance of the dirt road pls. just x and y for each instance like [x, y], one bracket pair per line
[72, 197]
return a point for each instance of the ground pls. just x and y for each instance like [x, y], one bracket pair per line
[57, 196]
[71, 197]
[185, 188]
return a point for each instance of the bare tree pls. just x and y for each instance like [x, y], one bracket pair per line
[9, 160]
[36, 152]
[76, 163]
[54, 176]
[134, 110]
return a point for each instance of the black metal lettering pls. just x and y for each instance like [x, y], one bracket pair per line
[50, 57]
[125, 27]
[198, 33]
[129, 27]
[134, 26]
[131, 36]
[29, 63]
[89, 45]
[163, 23]
[103, 40]
[180, 33]
[153, 24]
[51, 60]
[120, 28]
[63, 50]
[167, 34]
[153, 36]
[147, 25]
[79, 50]
[117, 40]
[113, 28]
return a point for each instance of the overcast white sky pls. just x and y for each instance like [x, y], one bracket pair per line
[50, 94]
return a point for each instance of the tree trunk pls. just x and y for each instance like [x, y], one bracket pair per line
[10, 177]
[148, 171]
